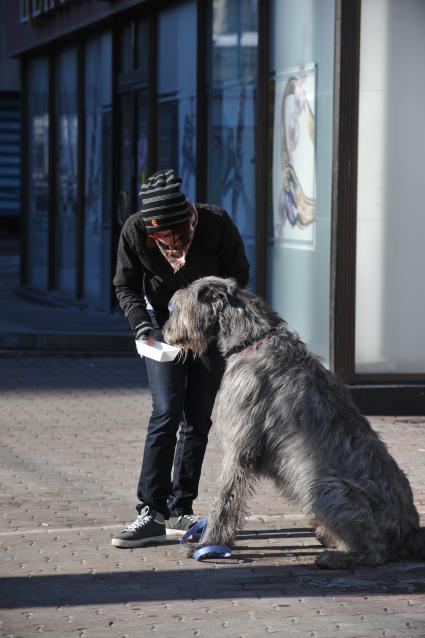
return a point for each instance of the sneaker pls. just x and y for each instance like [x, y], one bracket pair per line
[149, 527]
[177, 526]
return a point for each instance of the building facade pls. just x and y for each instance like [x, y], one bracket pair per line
[9, 134]
[302, 118]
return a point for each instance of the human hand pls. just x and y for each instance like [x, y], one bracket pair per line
[142, 335]
[148, 336]
[154, 335]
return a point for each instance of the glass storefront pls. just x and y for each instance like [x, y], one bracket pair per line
[38, 172]
[176, 128]
[98, 177]
[390, 304]
[66, 171]
[209, 88]
[298, 275]
[232, 117]
[301, 104]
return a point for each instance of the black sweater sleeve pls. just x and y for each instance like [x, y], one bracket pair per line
[128, 282]
[234, 262]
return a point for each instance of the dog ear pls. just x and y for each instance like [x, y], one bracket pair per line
[225, 292]
[210, 294]
[232, 286]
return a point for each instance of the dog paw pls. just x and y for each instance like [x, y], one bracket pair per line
[327, 541]
[188, 549]
[337, 560]
[324, 561]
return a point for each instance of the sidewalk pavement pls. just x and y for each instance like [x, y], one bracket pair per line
[34, 322]
[72, 440]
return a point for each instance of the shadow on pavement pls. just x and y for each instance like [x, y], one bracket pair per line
[58, 373]
[206, 583]
[290, 532]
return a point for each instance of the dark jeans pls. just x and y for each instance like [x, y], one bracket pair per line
[183, 394]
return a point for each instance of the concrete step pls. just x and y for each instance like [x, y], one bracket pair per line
[67, 342]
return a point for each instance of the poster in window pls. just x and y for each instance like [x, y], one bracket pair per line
[294, 158]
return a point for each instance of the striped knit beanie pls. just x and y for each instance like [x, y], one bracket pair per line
[163, 204]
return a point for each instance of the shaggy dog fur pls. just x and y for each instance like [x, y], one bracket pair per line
[283, 415]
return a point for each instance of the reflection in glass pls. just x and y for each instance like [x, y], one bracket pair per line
[232, 98]
[142, 135]
[234, 36]
[177, 93]
[142, 49]
[38, 170]
[126, 48]
[97, 218]
[66, 184]
[127, 178]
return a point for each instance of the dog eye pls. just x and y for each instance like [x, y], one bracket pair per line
[171, 308]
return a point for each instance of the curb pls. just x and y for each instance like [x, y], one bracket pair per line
[65, 354]
[66, 342]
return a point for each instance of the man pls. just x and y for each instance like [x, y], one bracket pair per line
[166, 245]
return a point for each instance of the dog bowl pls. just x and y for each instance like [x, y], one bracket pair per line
[157, 350]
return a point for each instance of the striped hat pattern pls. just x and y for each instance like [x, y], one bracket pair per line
[163, 204]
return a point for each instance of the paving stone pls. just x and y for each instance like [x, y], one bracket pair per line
[72, 440]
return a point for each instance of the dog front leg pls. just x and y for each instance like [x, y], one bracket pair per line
[229, 508]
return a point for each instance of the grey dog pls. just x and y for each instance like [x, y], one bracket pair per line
[283, 415]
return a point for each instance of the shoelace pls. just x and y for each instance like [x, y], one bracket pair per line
[193, 518]
[143, 518]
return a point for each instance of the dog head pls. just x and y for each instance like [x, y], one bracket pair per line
[197, 312]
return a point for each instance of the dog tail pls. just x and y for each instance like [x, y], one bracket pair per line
[415, 544]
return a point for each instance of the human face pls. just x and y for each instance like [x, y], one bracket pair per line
[174, 241]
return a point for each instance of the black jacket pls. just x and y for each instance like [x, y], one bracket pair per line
[216, 249]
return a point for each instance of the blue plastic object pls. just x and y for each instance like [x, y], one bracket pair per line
[218, 551]
[196, 531]
[195, 534]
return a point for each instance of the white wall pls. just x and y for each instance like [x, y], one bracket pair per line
[390, 292]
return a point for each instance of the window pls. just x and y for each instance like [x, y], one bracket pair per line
[66, 169]
[177, 93]
[390, 302]
[301, 124]
[98, 177]
[38, 172]
[232, 105]
[133, 116]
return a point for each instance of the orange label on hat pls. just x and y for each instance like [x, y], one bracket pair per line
[154, 222]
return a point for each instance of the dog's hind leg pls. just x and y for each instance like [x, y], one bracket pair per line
[347, 516]
[324, 536]
[229, 508]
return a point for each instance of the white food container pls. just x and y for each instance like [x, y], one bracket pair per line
[157, 350]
